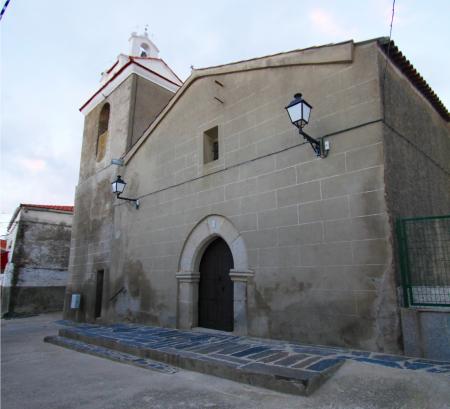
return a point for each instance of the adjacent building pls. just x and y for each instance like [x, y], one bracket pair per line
[240, 226]
[4, 255]
[36, 274]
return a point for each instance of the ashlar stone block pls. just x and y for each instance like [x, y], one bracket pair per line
[354, 182]
[230, 143]
[293, 156]
[280, 256]
[240, 155]
[330, 209]
[227, 208]
[211, 196]
[367, 203]
[259, 202]
[365, 157]
[261, 238]
[277, 143]
[328, 254]
[367, 135]
[257, 167]
[239, 250]
[350, 278]
[245, 222]
[305, 192]
[374, 251]
[277, 180]
[320, 168]
[238, 189]
[300, 234]
[285, 216]
[360, 228]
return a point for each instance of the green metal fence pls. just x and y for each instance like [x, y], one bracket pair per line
[424, 250]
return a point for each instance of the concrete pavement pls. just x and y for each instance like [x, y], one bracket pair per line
[36, 375]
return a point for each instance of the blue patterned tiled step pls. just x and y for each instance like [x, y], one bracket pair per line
[237, 358]
[110, 354]
[324, 364]
[234, 349]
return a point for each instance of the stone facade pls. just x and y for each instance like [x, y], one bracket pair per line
[311, 239]
[36, 274]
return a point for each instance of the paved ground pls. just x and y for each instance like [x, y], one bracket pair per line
[38, 375]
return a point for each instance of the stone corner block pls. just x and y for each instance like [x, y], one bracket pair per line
[241, 275]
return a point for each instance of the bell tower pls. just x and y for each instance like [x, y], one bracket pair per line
[131, 94]
[142, 46]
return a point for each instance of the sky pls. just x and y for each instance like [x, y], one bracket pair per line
[53, 51]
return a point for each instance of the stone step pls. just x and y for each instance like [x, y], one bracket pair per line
[235, 367]
[111, 354]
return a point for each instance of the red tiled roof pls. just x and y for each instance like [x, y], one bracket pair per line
[59, 208]
[49, 207]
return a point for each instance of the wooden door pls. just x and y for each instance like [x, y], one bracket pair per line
[99, 294]
[216, 288]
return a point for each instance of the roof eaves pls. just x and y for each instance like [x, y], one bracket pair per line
[131, 61]
[172, 71]
[103, 86]
[404, 65]
[55, 208]
[112, 67]
[13, 217]
[316, 47]
[62, 208]
[154, 72]
[211, 71]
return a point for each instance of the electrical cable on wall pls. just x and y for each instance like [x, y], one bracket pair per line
[388, 49]
[4, 8]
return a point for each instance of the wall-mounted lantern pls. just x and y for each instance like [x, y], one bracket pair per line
[118, 187]
[299, 111]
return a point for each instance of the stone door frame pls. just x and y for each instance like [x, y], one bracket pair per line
[188, 275]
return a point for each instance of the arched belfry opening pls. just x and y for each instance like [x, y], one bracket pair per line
[102, 136]
[144, 50]
[215, 294]
[214, 254]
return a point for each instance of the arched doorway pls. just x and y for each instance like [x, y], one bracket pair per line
[188, 276]
[215, 299]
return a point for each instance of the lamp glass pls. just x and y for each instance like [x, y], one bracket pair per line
[295, 112]
[118, 185]
[306, 112]
[299, 111]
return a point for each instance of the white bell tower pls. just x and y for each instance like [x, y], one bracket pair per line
[143, 61]
[142, 46]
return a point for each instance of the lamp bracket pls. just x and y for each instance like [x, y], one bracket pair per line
[118, 162]
[136, 201]
[317, 145]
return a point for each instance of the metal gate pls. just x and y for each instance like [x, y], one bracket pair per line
[424, 252]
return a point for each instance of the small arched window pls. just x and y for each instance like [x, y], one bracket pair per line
[102, 136]
[144, 50]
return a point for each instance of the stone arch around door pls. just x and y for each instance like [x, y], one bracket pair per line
[188, 275]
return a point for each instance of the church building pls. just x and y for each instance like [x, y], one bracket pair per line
[233, 220]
